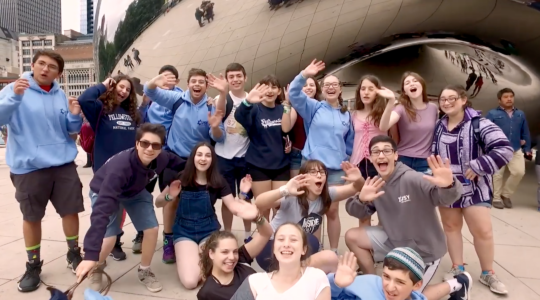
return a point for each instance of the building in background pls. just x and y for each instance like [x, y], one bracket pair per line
[9, 54]
[30, 43]
[87, 16]
[31, 16]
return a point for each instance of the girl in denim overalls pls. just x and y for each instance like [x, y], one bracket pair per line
[194, 194]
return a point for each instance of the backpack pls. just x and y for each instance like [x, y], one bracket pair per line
[88, 136]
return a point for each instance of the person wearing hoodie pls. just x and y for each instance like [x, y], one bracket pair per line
[402, 276]
[40, 155]
[477, 149]
[121, 184]
[407, 204]
[332, 131]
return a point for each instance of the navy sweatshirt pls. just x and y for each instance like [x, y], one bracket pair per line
[123, 176]
[263, 124]
[115, 131]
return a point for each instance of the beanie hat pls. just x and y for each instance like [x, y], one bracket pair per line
[410, 259]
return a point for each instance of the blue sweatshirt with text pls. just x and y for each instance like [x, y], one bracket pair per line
[114, 131]
[158, 114]
[121, 177]
[332, 131]
[39, 124]
[190, 122]
[365, 287]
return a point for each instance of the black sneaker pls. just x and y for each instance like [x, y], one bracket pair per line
[137, 243]
[74, 258]
[466, 284]
[117, 253]
[30, 280]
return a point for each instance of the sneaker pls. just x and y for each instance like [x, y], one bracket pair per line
[30, 280]
[137, 244]
[169, 257]
[495, 285]
[455, 271]
[73, 259]
[466, 284]
[96, 279]
[507, 202]
[118, 253]
[148, 278]
[498, 204]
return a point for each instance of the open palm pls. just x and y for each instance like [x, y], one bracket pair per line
[247, 211]
[245, 184]
[386, 93]
[295, 185]
[313, 68]
[219, 83]
[370, 190]
[256, 94]
[215, 119]
[352, 173]
[346, 270]
[442, 174]
[174, 188]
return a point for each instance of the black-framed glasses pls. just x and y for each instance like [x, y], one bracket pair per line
[314, 172]
[333, 84]
[386, 152]
[146, 144]
[450, 99]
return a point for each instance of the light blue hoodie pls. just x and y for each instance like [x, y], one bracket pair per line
[364, 287]
[333, 133]
[158, 114]
[39, 124]
[190, 122]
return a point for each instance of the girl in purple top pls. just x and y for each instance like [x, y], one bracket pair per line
[415, 117]
[474, 158]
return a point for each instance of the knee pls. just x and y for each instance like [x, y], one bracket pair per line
[451, 226]
[351, 238]
[189, 282]
[333, 212]
[151, 231]
[328, 260]
[484, 232]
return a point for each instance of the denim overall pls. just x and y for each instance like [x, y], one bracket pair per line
[195, 217]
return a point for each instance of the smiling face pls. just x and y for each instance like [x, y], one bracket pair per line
[123, 88]
[203, 158]
[310, 88]
[384, 158]
[368, 92]
[316, 177]
[46, 70]
[225, 256]
[397, 284]
[331, 88]
[148, 147]
[412, 87]
[236, 80]
[272, 94]
[451, 103]
[197, 86]
[289, 244]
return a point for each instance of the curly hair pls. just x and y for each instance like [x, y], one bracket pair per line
[211, 244]
[110, 103]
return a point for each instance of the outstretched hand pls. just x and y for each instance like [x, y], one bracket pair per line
[219, 83]
[313, 68]
[256, 95]
[346, 270]
[442, 174]
[370, 190]
[295, 185]
[174, 188]
[352, 173]
[215, 119]
[386, 93]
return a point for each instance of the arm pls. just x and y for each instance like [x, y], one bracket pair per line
[498, 149]
[221, 101]
[73, 123]
[289, 118]
[335, 290]
[349, 139]
[325, 294]
[244, 115]
[526, 135]
[165, 98]
[9, 103]
[358, 209]
[106, 205]
[303, 105]
[160, 200]
[90, 104]
[268, 200]
[260, 239]
[217, 133]
[437, 195]
[389, 116]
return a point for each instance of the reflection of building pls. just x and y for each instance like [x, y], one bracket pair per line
[9, 48]
[87, 16]
[31, 16]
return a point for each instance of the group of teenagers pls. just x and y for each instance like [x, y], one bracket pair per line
[297, 152]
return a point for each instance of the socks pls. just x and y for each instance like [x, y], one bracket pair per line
[73, 242]
[454, 285]
[247, 234]
[143, 268]
[487, 272]
[33, 253]
[167, 237]
[460, 267]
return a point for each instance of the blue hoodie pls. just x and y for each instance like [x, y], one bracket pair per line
[39, 124]
[190, 122]
[333, 138]
[158, 114]
[115, 130]
[365, 287]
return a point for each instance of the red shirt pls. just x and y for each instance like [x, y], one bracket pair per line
[299, 134]
[46, 88]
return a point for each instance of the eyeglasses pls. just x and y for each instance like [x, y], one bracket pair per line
[450, 99]
[50, 67]
[386, 152]
[333, 84]
[146, 144]
[316, 172]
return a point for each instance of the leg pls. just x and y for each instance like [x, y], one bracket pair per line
[458, 287]
[537, 169]
[169, 213]
[497, 188]
[452, 220]
[227, 170]
[325, 260]
[259, 187]
[332, 216]
[187, 265]
[362, 241]
[516, 166]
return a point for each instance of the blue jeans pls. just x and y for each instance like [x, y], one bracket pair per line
[195, 219]
[296, 159]
[264, 259]
[140, 209]
[415, 163]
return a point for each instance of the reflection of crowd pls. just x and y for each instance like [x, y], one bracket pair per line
[277, 4]
[205, 11]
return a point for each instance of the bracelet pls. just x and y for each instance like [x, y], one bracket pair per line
[246, 196]
[246, 103]
[260, 219]
[286, 109]
[168, 198]
[284, 191]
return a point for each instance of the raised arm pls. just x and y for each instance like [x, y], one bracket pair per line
[497, 147]
[273, 198]
[156, 90]
[74, 119]
[440, 189]
[245, 113]
[216, 129]
[354, 179]
[89, 101]
[289, 114]
[10, 99]
[261, 238]
[222, 86]
[389, 116]
[305, 106]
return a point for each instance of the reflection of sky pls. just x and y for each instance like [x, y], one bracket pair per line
[114, 12]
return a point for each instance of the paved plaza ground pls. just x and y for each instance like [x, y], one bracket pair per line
[516, 233]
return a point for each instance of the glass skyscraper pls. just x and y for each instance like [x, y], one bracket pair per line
[87, 16]
[31, 16]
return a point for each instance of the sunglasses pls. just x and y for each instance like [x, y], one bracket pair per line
[146, 144]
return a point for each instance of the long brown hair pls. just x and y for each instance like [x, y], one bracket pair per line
[272, 80]
[325, 195]
[404, 99]
[379, 103]
[344, 108]
[110, 102]
[274, 263]
[211, 244]
[189, 175]
[318, 90]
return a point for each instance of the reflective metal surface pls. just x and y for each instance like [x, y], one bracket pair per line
[352, 36]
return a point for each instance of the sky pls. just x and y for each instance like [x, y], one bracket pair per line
[71, 15]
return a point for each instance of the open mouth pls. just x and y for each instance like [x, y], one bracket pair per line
[229, 264]
[330, 92]
[203, 164]
[197, 90]
[383, 166]
[413, 90]
[286, 253]
[318, 184]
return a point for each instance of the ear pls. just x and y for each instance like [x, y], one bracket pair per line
[417, 286]
[211, 254]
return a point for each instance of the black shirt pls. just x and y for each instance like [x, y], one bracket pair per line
[212, 290]
[214, 193]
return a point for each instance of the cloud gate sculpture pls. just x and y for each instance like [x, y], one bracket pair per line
[443, 40]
